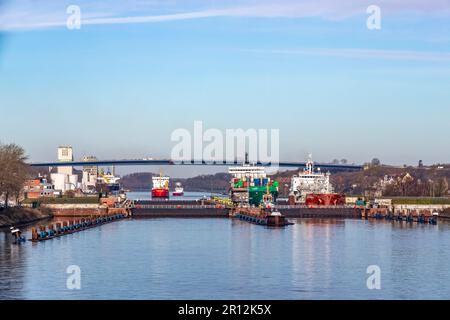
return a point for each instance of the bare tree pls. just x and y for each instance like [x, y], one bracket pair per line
[13, 171]
[441, 187]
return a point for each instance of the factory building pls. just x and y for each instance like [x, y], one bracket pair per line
[90, 175]
[65, 154]
[65, 180]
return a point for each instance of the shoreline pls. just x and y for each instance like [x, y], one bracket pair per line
[20, 217]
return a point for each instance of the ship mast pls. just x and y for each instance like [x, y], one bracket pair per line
[310, 164]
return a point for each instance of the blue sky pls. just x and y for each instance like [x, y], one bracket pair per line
[137, 70]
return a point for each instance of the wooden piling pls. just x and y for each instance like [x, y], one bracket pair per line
[34, 234]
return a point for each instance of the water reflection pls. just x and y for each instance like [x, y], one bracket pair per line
[231, 259]
[12, 269]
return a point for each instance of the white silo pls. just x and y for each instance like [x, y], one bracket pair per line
[59, 181]
[85, 178]
[73, 181]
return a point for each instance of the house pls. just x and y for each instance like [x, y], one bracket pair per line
[38, 187]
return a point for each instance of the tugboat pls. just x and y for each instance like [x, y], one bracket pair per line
[264, 215]
[179, 191]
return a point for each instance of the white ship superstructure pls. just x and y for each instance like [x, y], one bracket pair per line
[107, 182]
[310, 181]
[108, 178]
[160, 182]
[179, 190]
[247, 171]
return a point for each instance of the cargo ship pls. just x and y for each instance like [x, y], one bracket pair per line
[107, 183]
[179, 190]
[160, 188]
[313, 187]
[249, 183]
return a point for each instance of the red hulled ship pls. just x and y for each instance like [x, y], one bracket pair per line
[313, 188]
[160, 187]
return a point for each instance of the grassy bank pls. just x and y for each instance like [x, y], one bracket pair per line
[21, 216]
[63, 200]
[421, 201]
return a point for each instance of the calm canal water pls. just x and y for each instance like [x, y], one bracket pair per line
[229, 259]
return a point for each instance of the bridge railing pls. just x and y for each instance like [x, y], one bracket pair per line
[133, 162]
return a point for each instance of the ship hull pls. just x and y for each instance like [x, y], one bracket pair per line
[332, 199]
[261, 218]
[108, 187]
[160, 193]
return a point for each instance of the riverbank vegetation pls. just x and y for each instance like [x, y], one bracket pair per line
[421, 201]
[425, 182]
[20, 216]
[63, 200]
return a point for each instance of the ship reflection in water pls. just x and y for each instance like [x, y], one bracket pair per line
[230, 259]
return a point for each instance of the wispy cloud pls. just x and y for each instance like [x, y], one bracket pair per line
[47, 14]
[361, 53]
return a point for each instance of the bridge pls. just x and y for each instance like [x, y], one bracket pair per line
[165, 162]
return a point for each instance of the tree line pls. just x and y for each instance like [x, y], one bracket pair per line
[409, 186]
[13, 172]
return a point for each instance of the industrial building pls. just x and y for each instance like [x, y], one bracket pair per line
[89, 176]
[65, 180]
